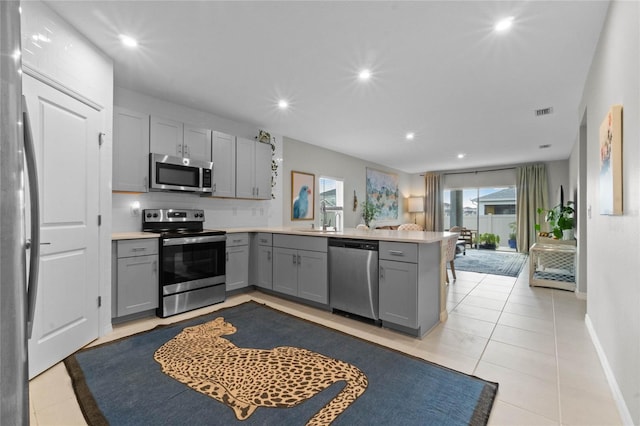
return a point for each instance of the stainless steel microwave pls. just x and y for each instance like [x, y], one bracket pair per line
[179, 174]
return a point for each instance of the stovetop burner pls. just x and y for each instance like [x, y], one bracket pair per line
[168, 233]
[176, 223]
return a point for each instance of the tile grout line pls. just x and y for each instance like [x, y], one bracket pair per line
[555, 341]
[494, 326]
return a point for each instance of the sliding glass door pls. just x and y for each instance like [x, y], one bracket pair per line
[488, 212]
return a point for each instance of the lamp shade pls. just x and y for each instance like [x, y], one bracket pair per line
[416, 204]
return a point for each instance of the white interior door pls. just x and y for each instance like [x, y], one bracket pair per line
[65, 133]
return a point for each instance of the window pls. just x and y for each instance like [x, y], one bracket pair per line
[332, 197]
[481, 210]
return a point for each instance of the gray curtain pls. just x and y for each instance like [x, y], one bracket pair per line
[532, 192]
[432, 202]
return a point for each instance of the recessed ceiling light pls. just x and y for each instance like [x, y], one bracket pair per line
[410, 136]
[364, 75]
[282, 104]
[504, 24]
[461, 155]
[128, 41]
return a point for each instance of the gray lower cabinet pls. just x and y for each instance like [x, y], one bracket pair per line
[300, 267]
[398, 293]
[136, 276]
[264, 273]
[237, 268]
[409, 286]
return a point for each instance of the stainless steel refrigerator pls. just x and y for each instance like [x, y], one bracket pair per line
[17, 177]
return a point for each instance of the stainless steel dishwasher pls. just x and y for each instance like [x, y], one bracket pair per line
[353, 277]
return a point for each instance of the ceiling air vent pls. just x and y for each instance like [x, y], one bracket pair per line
[544, 111]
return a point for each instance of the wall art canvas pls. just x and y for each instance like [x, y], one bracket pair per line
[382, 191]
[302, 195]
[611, 162]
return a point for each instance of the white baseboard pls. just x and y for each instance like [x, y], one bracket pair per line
[581, 295]
[613, 383]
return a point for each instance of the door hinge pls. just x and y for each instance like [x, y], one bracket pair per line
[101, 138]
[99, 220]
[99, 301]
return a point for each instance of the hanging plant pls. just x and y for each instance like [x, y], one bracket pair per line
[265, 137]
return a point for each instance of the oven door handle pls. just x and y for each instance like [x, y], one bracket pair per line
[193, 240]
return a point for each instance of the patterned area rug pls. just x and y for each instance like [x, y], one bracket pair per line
[254, 365]
[491, 262]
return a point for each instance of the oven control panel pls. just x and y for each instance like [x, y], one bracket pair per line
[172, 215]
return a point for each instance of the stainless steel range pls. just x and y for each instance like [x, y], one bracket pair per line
[192, 260]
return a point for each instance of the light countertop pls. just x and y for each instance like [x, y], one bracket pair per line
[132, 235]
[420, 237]
[423, 237]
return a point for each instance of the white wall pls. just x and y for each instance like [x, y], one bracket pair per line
[613, 304]
[577, 192]
[303, 157]
[219, 213]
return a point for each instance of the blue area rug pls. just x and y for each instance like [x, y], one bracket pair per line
[490, 262]
[120, 383]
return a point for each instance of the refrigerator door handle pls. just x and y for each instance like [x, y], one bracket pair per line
[34, 194]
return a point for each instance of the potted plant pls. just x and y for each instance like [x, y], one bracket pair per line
[488, 241]
[560, 220]
[369, 212]
[512, 236]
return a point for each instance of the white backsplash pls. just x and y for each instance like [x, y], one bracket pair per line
[219, 213]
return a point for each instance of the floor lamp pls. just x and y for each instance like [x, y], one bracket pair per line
[416, 205]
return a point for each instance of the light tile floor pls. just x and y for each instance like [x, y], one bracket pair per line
[533, 341]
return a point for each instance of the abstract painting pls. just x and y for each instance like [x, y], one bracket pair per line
[382, 191]
[302, 195]
[611, 162]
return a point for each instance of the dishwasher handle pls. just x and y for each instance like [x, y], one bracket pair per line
[354, 244]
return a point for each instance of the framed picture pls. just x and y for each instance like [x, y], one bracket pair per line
[611, 162]
[302, 195]
[382, 192]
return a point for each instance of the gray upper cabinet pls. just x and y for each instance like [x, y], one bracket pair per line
[177, 139]
[223, 148]
[166, 136]
[197, 143]
[253, 169]
[130, 150]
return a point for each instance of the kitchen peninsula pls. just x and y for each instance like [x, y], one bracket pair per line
[412, 267]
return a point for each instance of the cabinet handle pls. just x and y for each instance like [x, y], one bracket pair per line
[381, 272]
[145, 183]
[299, 260]
[179, 150]
[227, 256]
[214, 187]
[263, 240]
[269, 256]
[294, 259]
[257, 192]
[396, 252]
[138, 249]
[155, 266]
